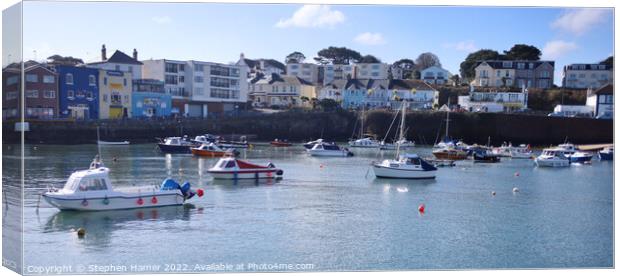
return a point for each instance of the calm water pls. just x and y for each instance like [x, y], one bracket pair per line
[326, 212]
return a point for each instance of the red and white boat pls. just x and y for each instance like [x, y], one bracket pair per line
[233, 168]
[280, 143]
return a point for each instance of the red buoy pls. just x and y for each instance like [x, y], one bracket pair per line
[154, 200]
[200, 192]
[421, 208]
[140, 201]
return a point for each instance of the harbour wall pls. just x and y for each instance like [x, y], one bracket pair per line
[424, 127]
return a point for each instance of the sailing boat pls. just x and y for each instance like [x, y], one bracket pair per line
[364, 141]
[407, 166]
[447, 150]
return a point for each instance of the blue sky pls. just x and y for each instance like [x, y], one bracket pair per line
[220, 32]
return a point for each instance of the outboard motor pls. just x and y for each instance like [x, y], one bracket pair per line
[271, 165]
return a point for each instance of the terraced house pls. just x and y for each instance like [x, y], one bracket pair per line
[281, 91]
[40, 91]
[587, 75]
[514, 73]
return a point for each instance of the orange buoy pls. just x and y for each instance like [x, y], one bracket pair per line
[140, 201]
[421, 208]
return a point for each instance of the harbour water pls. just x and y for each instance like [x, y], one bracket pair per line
[326, 214]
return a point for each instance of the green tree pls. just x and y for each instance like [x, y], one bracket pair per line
[608, 61]
[295, 57]
[456, 79]
[468, 66]
[60, 60]
[338, 55]
[328, 104]
[523, 52]
[426, 60]
[407, 66]
[369, 59]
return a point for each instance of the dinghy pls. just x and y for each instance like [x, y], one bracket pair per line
[326, 149]
[211, 150]
[91, 190]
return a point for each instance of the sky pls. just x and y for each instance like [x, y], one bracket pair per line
[220, 32]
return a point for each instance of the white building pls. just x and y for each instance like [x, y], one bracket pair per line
[435, 75]
[307, 71]
[602, 101]
[119, 61]
[199, 88]
[587, 75]
[264, 67]
[494, 101]
[573, 110]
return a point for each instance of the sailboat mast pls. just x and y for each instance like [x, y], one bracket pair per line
[402, 132]
[362, 123]
[447, 123]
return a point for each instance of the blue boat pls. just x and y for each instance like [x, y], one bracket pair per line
[607, 154]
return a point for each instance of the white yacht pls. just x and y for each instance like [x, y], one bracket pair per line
[552, 157]
[327, 149]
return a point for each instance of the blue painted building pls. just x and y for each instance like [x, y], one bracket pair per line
[78, 92]
[149, 99]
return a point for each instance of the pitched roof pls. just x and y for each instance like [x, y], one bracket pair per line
[273, 78]
[119, 57]
[252, 63]
[595, 66]
[499, 64]
[605, 90]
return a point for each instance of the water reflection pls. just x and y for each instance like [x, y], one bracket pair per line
[101, 225]
[230, 184]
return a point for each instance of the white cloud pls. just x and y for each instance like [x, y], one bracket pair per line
[161, 19]
[579, 21]
[557, 48]
[370, 38]
[465, 46]
[313, 16]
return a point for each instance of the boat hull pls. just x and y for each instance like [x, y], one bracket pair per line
[115, 202]
[450, 155]
[105, 143]
[255, 174]
[580, 159]
[607, 156]
[281, 144]
[174, 148]
[387, 172]
[551, 162]
[208, 153]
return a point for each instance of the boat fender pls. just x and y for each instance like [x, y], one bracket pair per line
[140, 201]
[106, 201]
[154, 200]
[421, 208]
[84, 202]
[279, 172]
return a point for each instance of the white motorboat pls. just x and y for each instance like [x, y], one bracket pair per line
[403, 144]
[574, 155]
[233, 168]
[408, 166]
[91, 190]
[110, 143]
[503, 151]
[326, 149]
[311, 144]
[552, 157]
[365, 143]
[521, 152]
[606, 154]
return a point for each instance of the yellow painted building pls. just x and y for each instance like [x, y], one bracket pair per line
[114, 94]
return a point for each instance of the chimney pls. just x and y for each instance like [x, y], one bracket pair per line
[103, 56]
[135, 54]
[241, 56]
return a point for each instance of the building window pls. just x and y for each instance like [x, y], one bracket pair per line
[48, 79]
[171, 68]
[105, 80]
[521, 65]
[11, 95]
[80, 94]
[507, 64]
[92, 81]
[117, 67]
[199, 91]
[498, 73]
[130, 69]
[115, 98]
[544, 74]
[89, 95]
[12, 80]
[124, 82]
[181, 78]
[199, 79]
[70, 94]
[126, 98]
[32, 78]
[199, 68]
[105, 98]
[49, 94]
[181, 67]
[32, 93]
